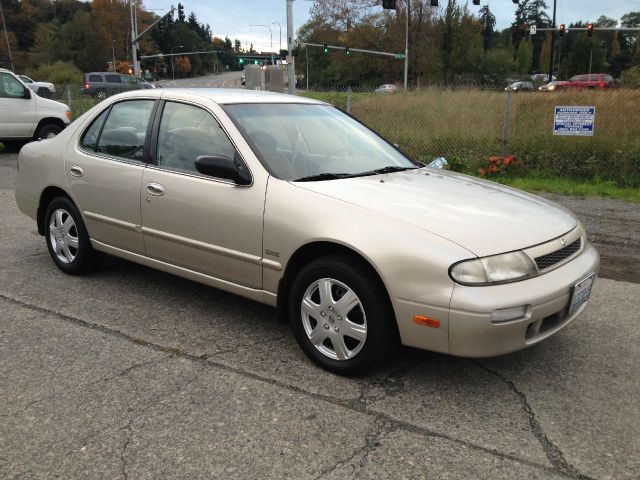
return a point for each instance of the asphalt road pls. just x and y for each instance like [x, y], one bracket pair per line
[227, 79]
[134, 373]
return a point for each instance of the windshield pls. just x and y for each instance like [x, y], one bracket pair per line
[303, 141]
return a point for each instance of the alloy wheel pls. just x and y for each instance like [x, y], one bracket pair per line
[63, 235]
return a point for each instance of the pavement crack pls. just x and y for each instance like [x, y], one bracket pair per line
[124, 448]
[392, 384]
[372, 441]
[551, 450]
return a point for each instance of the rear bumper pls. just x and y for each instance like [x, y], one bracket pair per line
[472, 332]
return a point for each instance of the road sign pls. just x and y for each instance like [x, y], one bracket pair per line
[574, 121]
[533, 30]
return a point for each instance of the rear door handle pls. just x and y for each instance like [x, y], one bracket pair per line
[155, 189]
[76, 170]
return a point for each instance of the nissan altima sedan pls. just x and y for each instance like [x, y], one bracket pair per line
[290, 202]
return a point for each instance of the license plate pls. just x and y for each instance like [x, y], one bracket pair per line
[581, 293]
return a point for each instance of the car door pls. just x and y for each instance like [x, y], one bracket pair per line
[17, 112]
[104, 173]
[201, 223]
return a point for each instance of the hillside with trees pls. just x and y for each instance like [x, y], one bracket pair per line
[57, 40]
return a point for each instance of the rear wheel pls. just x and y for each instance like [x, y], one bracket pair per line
[67, 238]
[48, 130]
[101, 94]
[341, 315]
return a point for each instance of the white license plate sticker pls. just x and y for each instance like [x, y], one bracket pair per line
[581, 293]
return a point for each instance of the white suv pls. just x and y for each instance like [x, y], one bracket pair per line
[26, 116]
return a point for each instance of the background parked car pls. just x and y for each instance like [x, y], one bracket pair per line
[542, 77]
[592, 81]
[520, 87]
[44, 89]
[555, 86]
[102, 84]
[387, 88]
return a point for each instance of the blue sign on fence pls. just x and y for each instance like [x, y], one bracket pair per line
[576, 121]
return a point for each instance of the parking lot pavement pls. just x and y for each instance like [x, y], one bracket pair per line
[135, 373]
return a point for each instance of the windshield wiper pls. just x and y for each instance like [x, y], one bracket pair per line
[322, 176]
[392, 168]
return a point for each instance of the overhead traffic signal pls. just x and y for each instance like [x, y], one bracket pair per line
[325, 48]
[434, 3]
[389, 4]
[562, 29]
[590, 30]
[180, 12]
[476, 2]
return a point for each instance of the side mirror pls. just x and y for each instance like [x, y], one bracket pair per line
[223, 167]
[27, 93]
[440, 162]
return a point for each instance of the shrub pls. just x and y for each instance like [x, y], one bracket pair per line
[60, 73]
[631, 77]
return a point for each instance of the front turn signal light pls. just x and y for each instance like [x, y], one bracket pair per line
[426, 321]
[69, 115]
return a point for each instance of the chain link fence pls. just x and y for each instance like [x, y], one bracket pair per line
[492, 133]
[483, 131]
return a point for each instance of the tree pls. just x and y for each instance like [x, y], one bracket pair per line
[524, 57]
[45, 49]
[545, 54]
[488, 21]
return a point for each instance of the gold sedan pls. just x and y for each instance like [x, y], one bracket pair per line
[290, 202]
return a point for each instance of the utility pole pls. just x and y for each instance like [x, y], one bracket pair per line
[406, 47]
[134, 36]
[553, 41]
[291, 67]
[6, 36]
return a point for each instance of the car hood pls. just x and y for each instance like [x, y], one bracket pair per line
[484, 217]
[51, 104]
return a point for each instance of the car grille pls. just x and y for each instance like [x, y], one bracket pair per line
[550, 259]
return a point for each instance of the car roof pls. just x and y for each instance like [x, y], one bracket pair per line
[222, 95]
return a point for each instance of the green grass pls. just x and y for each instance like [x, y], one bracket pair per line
[565, 186]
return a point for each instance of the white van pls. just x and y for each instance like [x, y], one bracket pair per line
[26, 116]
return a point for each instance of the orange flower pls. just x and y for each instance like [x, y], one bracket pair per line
[494, 159]
[493, 169]
[508, 160]
[482, 172]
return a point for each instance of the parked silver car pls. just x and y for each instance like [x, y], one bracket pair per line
[287, 201]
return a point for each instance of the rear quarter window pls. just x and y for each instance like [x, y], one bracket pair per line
[95, 78]
[89, 139]
[113, 78]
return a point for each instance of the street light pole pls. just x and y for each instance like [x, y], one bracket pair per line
[173, 75]
[553, 41]
[280, 28]
[270, 36]
[291, 67]
[406, 47]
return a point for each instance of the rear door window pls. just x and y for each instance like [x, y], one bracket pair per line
[95, 78]
[125, 130]
[113, 78]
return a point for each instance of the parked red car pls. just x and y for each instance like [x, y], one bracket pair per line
[592, 81]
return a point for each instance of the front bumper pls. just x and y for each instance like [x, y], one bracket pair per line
[547, 297]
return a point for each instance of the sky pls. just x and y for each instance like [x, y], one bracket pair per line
[232, 17]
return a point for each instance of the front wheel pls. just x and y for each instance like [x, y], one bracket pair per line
[48, 130]
[67, 238]
[341, 315]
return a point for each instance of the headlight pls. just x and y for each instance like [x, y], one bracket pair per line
[504, 268]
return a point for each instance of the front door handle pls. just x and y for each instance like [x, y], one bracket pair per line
[155, 189]
[76, 171]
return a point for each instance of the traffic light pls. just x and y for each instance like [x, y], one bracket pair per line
[476, 2]
[241, 61]
[325, 48]
[389, 4]
[180, 12]
[434, 3]
[256, 62]
[347, 51]
[562, 29]
[138, 55]
[590, 30]
[130, 71]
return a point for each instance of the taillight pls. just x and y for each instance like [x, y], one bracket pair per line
[87, 86]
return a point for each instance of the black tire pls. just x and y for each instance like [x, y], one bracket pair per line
[48, 130]
[85, 258]
[377, 313]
